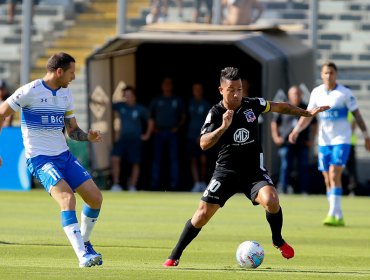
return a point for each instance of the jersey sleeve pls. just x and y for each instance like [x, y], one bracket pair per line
[351, 101]
[70, 108]
[260, 105]
[19, 99]
[211, 123]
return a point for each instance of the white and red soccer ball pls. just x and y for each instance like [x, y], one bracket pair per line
[250, 254]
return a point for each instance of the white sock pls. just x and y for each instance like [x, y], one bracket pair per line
[87, 225]
[74, 235]
[337, 206]
[335, 201]
[89, 217]
[331, 205]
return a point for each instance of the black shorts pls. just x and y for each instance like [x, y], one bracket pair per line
[224, 184]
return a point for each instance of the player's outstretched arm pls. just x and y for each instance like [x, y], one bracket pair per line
[289, 109]
[304, 121]
[76, 133]
[5, 111]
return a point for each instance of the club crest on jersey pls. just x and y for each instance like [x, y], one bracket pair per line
[249, 115]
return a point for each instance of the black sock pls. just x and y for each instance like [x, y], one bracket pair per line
[276, 224]
[188, 234]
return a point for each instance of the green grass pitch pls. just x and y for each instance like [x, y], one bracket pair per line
[136, 232]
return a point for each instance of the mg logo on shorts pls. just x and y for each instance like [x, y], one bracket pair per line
[241, 135]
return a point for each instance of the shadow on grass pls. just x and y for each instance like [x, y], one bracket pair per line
[278, 270]
[67, 245]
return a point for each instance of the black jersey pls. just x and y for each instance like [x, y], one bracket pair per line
[239, 148]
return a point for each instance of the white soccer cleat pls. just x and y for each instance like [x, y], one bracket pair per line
[89, 260]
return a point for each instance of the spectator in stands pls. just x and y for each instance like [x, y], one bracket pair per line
[334, 136]
[134, 128]
[167, 116]
[242, 12]
[197, 112]
[11, 9]
[179, 9]
[281, 126]
[208, 14]
[4, 94]
[159, 11]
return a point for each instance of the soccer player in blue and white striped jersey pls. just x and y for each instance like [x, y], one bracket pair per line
[334, 136]
[46, 107]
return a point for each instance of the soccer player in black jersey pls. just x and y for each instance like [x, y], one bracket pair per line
[231, 127]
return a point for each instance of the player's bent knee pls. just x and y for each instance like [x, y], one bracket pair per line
[96, 201]
[203, 214]
[271, 204]
[66, 201]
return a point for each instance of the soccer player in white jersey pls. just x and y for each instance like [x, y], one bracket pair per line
[46, 108]
[334, 136]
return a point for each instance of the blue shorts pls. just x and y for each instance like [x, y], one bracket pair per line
[49, 170]
[333, 155]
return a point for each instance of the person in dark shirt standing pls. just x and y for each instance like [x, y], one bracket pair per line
[4, 94]
[232, 128]
[281, 127]
[197, 112]
[167, 116]
[134, 128]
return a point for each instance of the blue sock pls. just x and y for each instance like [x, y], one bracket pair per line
[68, 217]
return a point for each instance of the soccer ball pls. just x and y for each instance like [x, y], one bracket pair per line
[250, 254]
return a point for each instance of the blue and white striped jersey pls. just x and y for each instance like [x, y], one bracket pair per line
[334, 126]
[42, 117]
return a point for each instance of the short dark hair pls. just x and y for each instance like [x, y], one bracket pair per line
[330, 64]
[2, 84]
[229, 74]
[129, 88]
[59, 60]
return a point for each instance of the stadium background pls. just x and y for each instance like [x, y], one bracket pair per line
[83, 27]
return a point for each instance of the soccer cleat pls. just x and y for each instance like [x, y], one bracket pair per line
[170, 262]
[286, 250]
[333, 221]
[90, 250]
[340, 222]
[88, 260]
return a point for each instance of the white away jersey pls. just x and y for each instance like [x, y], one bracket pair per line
[334, 127]
[42, 117]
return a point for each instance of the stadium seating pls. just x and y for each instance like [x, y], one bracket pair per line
[344, 29]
